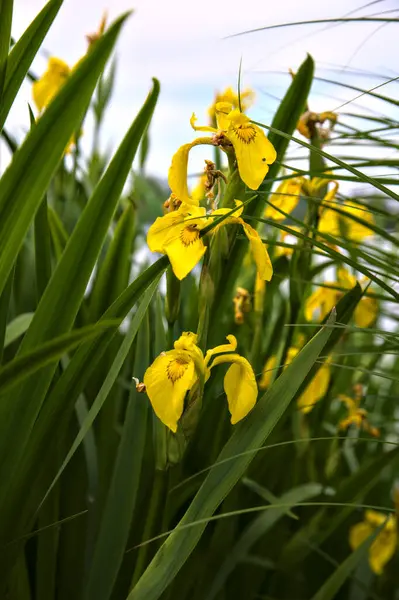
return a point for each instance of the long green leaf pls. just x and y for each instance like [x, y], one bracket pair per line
[23, 53]
[6, 7]
[249, 434]
[334, 583]
[25, 182]
[121, 500]
[50, 352]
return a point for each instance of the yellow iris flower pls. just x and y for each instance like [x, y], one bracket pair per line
[356, 416]
[45, 88]
[383, 547]
[323, 299]
[316, 388]
[176, 372]
[177, 234]
[285, 197]
[253, 151]
[337, 224]
[229, 95]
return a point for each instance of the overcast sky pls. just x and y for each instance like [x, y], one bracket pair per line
[184, 45]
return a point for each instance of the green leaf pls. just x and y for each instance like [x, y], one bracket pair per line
[25, 182]
[248, 435]
[23, 53]
[6, 7]
[121, 500]
[17, 327]
[54, 315]
[113, 273]
[258, 528]
[334, 583]
[22, 367]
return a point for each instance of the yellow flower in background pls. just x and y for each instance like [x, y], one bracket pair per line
[356, 416]
[383, 547]
[316, 388]
[321, 301]
[309, 124]
[247, 98]
[177, 234]
[338, 225]
[286, 197]
[242, 305]
[285, 238]
[45, 88]
[254, 152]
[176, 372]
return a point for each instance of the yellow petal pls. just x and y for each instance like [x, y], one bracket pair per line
[259, 252]
[230, 347]
[322, 301]
[167, 380]
[345, 278]
[382, 549]
[239, 385]
[268, 373]
[223, 109]
[177, 176]
[253, 150]
[162, 229]
[337, 224]
[374, 517]
[316, 390]
[285, 197]
[185, 249]
[45, 88]
[194, 119]
[359, 533]
[366, 312]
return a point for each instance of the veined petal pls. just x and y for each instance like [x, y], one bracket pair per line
[184, 249]
[167, 380]
[177, 176]
[45, 88]
[253, 150]
[239, 385]
[230, 347]
[194, 119]
[259, 252]
[162, 229]
[285, 197]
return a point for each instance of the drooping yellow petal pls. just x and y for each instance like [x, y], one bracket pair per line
[167, 381]
[177, 176]
[366, 311]
[259, 252]
[253, 150]
[45, 88]
[316, 389]
[239, 385]
[286, 197]
[230, 347]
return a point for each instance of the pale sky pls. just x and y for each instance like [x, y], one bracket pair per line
[184, 45]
